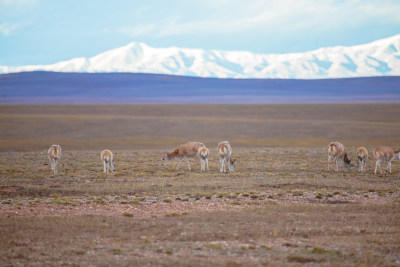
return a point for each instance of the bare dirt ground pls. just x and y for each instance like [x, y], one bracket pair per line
[277, 208]
[280, 207]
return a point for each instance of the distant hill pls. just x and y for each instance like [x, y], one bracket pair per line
[54, 87]
[379, 58]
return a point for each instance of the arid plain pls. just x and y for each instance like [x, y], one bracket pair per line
[280, 207]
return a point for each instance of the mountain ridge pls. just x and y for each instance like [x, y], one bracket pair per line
[378, 58]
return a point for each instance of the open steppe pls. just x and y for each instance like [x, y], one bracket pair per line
[132, 127]
[280, 207]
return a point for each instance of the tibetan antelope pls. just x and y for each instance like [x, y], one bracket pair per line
[337, 152]
[190, 149]
[107, 157]
[203, 154]
[224, 152]
[54, 155]
[362, 155]
[384, 153]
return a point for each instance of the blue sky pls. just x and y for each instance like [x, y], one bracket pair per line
[48, 31]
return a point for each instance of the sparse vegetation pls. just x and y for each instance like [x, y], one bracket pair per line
[277, 208]
[26, 127]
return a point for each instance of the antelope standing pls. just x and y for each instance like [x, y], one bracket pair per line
[184, 151]
[384, 153]
[54, 155]
[203, 154]
[107, 157]
[337, 152]
[362, 155]
[224, 152]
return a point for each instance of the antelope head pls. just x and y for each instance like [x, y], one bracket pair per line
[347, 162]
[233, 164]
[165, 159]
[112, 164]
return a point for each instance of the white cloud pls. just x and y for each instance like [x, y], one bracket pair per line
[221, 17]
[385, 12]
[6, 29]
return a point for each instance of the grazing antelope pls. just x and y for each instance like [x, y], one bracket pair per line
[337, 152]
[203, 154]
[107, 157]
[184, 151]
[54, 155]
[362, 155]
[224, 152]
[384, 153]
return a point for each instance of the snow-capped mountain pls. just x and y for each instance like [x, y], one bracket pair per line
[379, 58]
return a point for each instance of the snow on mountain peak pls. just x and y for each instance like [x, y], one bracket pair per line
[378, 58]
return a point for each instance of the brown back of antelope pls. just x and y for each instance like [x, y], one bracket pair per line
[336, 150]
[224, 149]
[183, 151]
[55, 152]
[385, 153]
[107, 155]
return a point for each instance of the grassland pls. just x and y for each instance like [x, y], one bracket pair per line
[280, 207]
[131, 127]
